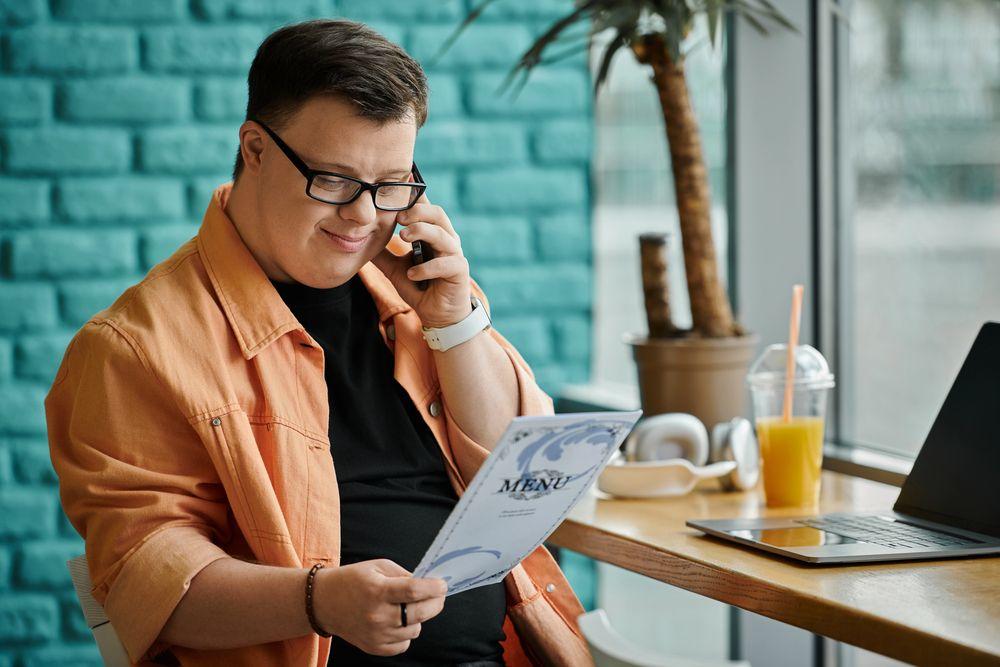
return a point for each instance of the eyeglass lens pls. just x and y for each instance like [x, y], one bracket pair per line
[335, 190]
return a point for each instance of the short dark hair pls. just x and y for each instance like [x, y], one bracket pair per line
[333, 57]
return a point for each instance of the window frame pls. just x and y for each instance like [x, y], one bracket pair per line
[809, 227]
[833, 200]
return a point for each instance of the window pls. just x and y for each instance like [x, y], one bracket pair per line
[634, 193]
[919, 233]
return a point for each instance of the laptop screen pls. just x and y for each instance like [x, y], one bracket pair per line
[956, 477]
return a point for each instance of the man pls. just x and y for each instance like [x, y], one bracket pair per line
[192, 422]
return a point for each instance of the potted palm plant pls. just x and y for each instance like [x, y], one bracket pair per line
[698, 370]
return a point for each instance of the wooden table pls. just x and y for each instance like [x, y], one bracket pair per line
[944, 612]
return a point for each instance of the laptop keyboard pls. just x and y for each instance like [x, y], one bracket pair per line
[885, 531]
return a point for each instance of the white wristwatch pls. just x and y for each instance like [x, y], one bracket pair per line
[443, 338]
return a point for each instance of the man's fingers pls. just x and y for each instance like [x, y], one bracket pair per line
[426, 213]
[453, 268]
[393, 649]
[443, 242]
[390, 568]
[414, 589]
[401, 634]
[422, 611]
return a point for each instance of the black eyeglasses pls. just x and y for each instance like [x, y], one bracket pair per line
[333, 188]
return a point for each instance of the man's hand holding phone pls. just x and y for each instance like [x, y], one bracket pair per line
[421, 253]
[448, 298]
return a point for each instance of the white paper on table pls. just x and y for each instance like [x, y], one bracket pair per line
[537, 472]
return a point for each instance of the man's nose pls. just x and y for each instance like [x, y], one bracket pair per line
[362, 210]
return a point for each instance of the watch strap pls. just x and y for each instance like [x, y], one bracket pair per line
[444, 338]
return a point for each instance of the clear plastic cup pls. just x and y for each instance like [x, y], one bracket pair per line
[791, 451]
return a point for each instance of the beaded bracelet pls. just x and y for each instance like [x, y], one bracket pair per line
[309, 601]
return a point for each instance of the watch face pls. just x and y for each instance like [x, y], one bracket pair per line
[477, 303]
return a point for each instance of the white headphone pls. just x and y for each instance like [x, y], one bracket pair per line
[674, 435]
[666, 455]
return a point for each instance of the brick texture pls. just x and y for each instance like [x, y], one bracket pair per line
[118, 118]
[126, 99]
[25, 201]
[61, 49]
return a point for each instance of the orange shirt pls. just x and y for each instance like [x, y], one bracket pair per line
[188, 422]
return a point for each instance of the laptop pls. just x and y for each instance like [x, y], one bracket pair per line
[949, 505]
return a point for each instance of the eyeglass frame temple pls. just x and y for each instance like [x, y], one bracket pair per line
[310, 174]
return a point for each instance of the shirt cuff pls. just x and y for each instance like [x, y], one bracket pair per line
[150, 583]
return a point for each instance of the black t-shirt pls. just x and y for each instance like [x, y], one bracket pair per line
[394, 491]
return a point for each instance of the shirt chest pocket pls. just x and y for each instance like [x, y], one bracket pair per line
[281, 485]
[302, 474]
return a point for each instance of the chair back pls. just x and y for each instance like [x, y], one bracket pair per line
[611, 649]
[112, 651]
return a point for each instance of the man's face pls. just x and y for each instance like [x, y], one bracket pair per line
[292, 232]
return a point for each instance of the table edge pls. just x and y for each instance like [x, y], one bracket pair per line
[854, 627]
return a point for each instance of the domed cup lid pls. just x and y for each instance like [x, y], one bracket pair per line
[811, 369]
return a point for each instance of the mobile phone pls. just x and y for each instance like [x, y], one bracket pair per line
[422, 253]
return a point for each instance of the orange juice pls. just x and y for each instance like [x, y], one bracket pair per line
[792, 458]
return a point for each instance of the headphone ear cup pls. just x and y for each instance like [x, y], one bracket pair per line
[720, 433]
[675, 435]
[700, 446]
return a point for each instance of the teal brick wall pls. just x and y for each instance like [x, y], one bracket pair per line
[117, 120]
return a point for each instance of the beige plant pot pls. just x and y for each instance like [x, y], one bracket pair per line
[704, 377]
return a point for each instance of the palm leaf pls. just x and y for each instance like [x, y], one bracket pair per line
[559, 56]
[755, 15]
[532, 57]
[473, 14]
[672, 19]
[757, 25]
[620, 40]
[772, 13]
[712, 8]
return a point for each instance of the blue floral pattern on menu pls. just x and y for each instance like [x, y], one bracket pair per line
[553, 445]
[460, 553]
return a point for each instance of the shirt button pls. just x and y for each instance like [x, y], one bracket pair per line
[216, 421]
[434, 408]
[550, 587]
[390, 332]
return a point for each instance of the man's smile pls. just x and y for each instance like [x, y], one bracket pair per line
[348, 243]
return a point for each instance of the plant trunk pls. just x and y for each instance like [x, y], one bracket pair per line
[654, 257]
[711, 313]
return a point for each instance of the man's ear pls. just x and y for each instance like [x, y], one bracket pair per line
[251, 145]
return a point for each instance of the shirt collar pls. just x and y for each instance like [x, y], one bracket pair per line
[255, 311]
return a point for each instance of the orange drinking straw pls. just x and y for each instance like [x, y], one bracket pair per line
[793, 342]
